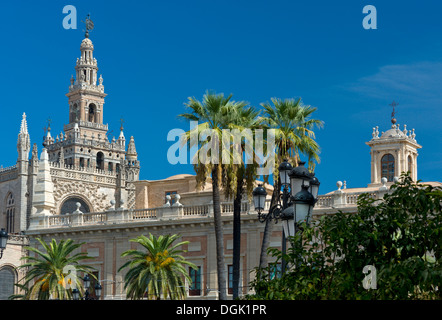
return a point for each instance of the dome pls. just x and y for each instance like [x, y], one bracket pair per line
[86, 44]
[179, 176]
[393, 133]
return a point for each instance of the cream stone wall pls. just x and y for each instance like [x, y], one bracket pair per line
[107, 242]
[151, 194]
[15, 250]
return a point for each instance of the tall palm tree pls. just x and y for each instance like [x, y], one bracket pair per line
[294, 136]
[212, 115]
[239, 176]
[49, 270]
[157, 271]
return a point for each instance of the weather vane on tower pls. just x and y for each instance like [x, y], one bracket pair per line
[89, 25]
[393, 104]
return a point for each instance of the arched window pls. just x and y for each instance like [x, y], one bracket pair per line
[7, 280]
[387, 167]
[410, 166]
[73, 116]
[100, 160]
[10, 213]
[70, 205]
[92, 112]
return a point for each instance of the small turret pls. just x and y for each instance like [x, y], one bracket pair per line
[131, 153]
[23, 143]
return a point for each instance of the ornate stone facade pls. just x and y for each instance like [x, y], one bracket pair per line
[77, 165]
[39, 196]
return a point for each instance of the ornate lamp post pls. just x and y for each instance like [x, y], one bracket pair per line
[297, 206]
[87, 284]
[3, 241]
[260, 193]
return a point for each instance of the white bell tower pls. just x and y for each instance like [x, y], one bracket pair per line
[392, 153]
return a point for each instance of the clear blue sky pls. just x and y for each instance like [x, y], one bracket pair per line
[153, 55]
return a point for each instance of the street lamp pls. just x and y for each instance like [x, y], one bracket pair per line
[284, 172]
[86, 282]
[98, 290]
[299, 211]
[86, 285]
[3, 241]
[314, 187]
[299, 176]
[297, 206]
[259, 198]
[75, 294]
[260, 193]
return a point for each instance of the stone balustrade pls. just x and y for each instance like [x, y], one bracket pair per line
[120, 215]
[83, 173]
[341, 199]
[337, 199]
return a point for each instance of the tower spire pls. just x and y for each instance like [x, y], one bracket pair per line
[131, 153]
[23, 143]
[24, 125]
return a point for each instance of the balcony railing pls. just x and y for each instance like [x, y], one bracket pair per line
[178, 211]
[115, 216]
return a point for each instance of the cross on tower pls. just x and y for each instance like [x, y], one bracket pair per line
[49, 124]
[121, 121]
[393, 104]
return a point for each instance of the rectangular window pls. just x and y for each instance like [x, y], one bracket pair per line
[195, 287]
[230, 278]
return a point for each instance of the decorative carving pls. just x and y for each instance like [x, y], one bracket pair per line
[64, 189]
[131, 196]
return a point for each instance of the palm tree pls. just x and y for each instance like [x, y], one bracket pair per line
[212, 115]
[293, 136]
[157, 271]
[49, 270]
[239, 176]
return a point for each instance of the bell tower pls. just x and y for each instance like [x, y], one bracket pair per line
[393, 153]
[84, 153]
[86, 96]
[85, 143]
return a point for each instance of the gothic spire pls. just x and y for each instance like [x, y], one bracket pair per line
[131, 153]
[23, 141]
[24, 125]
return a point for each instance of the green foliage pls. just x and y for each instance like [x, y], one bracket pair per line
[400, 235]
[293, 126]
[156, 271]
[47, 276]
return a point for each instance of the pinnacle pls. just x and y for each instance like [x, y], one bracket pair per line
[24, 125]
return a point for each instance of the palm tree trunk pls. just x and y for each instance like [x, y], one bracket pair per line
[237, 233]
[263, 262]
[219, 238]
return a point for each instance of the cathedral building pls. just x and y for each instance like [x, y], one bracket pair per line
[82, 186]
